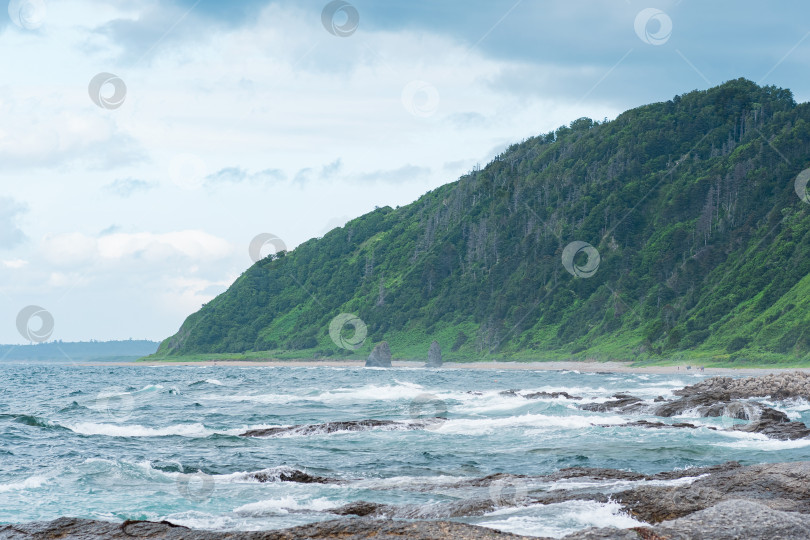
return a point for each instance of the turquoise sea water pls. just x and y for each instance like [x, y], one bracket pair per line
[137, 442]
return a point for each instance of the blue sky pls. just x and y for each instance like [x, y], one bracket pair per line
[248, 117]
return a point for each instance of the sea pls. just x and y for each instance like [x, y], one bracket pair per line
[118, 442]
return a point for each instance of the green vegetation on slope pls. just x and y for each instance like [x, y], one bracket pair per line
[703, 242]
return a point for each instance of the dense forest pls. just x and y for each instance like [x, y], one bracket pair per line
[695, 240]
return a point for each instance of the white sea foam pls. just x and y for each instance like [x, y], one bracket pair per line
[480, 426]
[575, 483]
[558, 520]
[29, 483]
[765, 444]
[135, 430]
[284, 505]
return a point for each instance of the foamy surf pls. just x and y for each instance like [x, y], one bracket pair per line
[135, 430]
[285, 505]
[558, 520]
[32, 482]
[481, 426]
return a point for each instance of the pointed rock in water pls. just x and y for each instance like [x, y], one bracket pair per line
[380, 356]
[434, 355]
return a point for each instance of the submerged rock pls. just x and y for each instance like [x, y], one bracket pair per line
[289, 475]
[538, 395]
[648, 424]
[434, 355]
[331, 427]
[621, 403]
[380, 356]
[553, 395]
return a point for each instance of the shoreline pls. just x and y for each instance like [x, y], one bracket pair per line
[586, 367]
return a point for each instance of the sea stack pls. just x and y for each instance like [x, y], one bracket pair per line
[380, 356]
[434, 355]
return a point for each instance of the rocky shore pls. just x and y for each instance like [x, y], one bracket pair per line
[724, 501]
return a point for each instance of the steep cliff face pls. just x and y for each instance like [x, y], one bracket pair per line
[677, 226]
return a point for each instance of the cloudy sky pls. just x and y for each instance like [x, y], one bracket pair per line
[144, 144]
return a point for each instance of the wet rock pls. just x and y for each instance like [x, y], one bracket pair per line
[455, 509]
[711, 404]
[780, 486]
[648, 424]
[735, 519]
[331, 427]
[345, 529]
[594, 473]
[538, 395]
[360, 508]
[291, 475]
[380, 356]
[553, 395]
[489, 480]
[776, 425]
[728, 520]
[621, 403]
[434, 355]
[793, 384]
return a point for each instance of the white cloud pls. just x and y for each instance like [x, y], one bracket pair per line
[14, 263]
[71, 249]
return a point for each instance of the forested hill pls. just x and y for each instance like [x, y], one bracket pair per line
[699, 242]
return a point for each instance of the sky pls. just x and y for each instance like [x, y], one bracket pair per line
[145, 144]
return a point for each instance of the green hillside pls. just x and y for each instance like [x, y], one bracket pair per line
[703, 250]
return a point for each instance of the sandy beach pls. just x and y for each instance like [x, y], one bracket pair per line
[605, 367]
